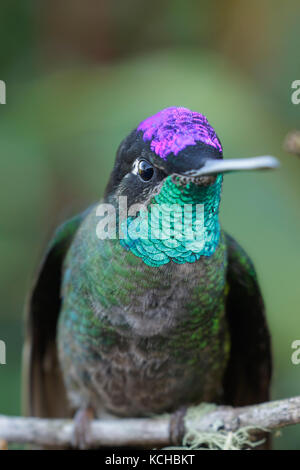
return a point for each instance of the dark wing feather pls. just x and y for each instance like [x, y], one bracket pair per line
[44, 393]
[248, 376]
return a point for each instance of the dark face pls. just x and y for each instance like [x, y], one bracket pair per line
[139, 173]
[176, 141]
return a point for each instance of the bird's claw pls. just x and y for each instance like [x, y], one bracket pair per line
[82, 428]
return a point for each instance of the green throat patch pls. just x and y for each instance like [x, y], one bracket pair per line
[180, 225]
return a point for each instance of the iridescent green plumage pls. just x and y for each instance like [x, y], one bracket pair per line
[172, 316]
[155, 245]
[168, 353]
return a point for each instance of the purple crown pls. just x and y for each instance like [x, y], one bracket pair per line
[173, 129]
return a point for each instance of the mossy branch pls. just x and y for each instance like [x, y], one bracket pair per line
[153, 432]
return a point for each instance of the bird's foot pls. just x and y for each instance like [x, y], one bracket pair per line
[82, 428]
[177, 426]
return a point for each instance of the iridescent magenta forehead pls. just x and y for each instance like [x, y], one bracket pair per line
[173, 129]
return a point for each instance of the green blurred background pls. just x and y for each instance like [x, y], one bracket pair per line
[81, 74]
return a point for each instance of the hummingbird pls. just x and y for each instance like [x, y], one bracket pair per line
[129, 324]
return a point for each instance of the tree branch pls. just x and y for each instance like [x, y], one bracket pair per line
[292, 143]
[150, 432]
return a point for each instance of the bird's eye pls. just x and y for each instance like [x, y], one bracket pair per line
[145, 170]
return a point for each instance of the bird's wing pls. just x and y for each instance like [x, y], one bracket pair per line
[43, 389]
[247, 380]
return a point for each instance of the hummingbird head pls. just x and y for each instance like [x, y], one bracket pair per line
[175, 142]
[172, 165]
